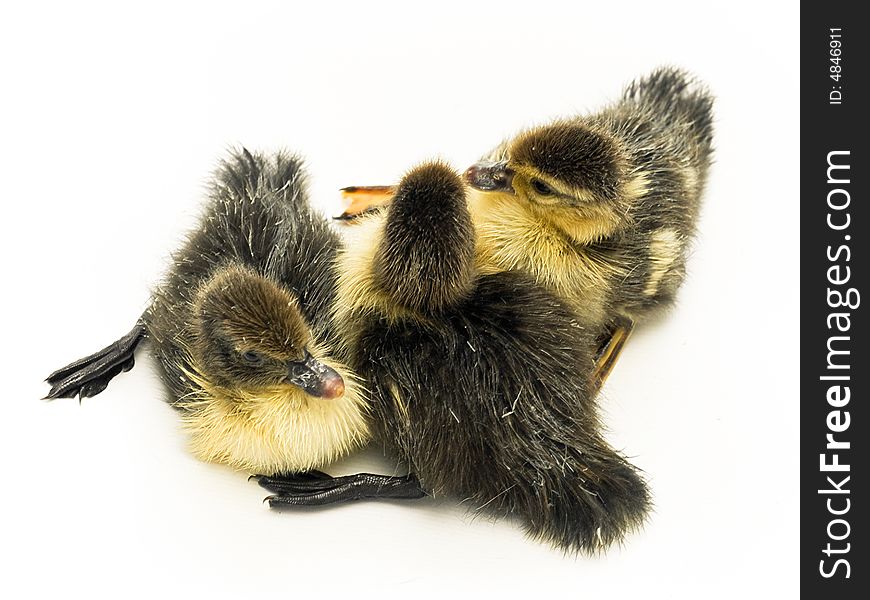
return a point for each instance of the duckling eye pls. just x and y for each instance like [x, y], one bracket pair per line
[542, 188]
[252, 358]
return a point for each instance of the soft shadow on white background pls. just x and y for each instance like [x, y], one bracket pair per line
[112, 118]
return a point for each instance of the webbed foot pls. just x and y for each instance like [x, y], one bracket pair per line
[363, 199]
[90, 375]
[315, 490]
[610, 347]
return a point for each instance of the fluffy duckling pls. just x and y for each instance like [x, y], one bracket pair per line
[601, 208]
[240, 328]
[474, 376]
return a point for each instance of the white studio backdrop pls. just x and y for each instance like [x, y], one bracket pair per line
[112, 117]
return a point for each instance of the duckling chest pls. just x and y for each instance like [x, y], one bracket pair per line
[276, 432]
[583, 277]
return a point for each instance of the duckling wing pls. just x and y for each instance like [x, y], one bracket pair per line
[90, 375]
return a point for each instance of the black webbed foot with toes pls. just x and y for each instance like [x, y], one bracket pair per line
[90, 375]
[316, 489]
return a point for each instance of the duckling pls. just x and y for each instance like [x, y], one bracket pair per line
[599, 208]
[476, 378]
[240, 328]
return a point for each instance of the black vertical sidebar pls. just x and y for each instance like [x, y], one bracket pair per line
[834, 371]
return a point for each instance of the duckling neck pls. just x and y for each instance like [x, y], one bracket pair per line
[276, 430]
[511, 236]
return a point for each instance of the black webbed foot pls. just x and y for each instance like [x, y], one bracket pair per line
[304, 476]
[90, 375]
[294, 491]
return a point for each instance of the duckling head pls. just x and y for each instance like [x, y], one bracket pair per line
[567, 174]
[251, 337]
[266, 398]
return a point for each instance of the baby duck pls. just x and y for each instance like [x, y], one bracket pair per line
[241, 329]
[474, 376]
[601, 208]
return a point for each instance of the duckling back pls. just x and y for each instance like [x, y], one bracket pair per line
[257, 217]
[664, 127]
[489, 403]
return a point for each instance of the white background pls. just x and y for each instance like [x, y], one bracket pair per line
[111, 119]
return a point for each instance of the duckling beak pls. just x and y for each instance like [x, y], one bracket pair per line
[491, 176]
[315, 378]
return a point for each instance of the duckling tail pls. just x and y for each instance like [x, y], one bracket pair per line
[590, 509]
[676, 97]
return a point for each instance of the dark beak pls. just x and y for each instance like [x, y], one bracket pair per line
[491, 177]
[315, 378]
